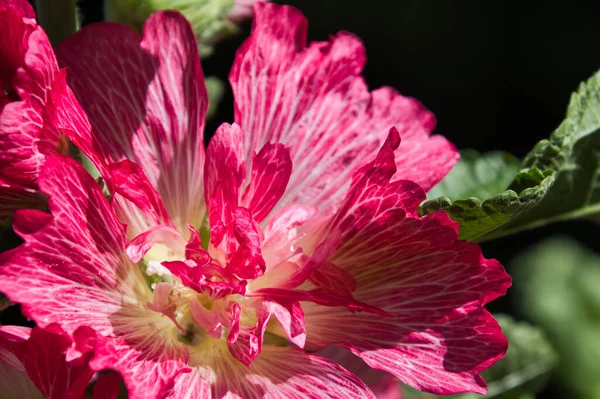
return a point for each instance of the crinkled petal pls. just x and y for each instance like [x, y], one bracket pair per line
[164, 235]
[439, 337]
[146, 102]
[290, 316]
[313, 100]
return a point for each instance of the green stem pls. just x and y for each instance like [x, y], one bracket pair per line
[58, 18]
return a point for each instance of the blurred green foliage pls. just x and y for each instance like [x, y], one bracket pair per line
[557, 285]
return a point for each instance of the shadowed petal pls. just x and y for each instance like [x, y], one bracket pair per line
[146, 102]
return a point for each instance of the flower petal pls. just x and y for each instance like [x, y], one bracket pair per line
[383, 385]
[14, 381]
[277, 373]
[43, 358]
[271, 170]
[318, 296]
[146, 102]
[313, 100]
[107, 386]
[291, 318]
[29, 79]
[247, 261]
[22, 7]
[130, 183]
[439, 337]
[223, 177]
[147, 374]
[73, 270]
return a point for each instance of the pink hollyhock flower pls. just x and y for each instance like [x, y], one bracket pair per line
[297, 230]
[45, 363]
[29, 80]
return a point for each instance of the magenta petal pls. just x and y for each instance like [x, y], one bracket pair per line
[247, 261]
[107, 386]
[224, 163]
[281, 373]
[439, 337]
[223, 177]
[271, 170]
[22, 7]
[129, 181]
[146, 101]
[73, 270]
[313, 100]
[30, 81]
[43, 357]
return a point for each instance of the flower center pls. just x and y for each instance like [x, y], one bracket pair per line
[199, 298]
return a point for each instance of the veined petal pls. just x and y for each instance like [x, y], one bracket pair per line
[439, 337]
[73, 270]
[20, 127]
[271, 170]
[329, 276]
[147, 374]
[146, 102]
[313, 100]
[223, 177]
[129, 181]
[247, 261]
[164, 235]
[29, 77]
[278, 373]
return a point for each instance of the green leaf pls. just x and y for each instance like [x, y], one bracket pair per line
[559, 179]
[477, 175]
[522, 372]
[556, 285]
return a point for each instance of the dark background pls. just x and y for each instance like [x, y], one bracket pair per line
[497, 74]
